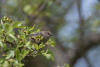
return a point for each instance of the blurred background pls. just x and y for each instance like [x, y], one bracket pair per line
[74, 23]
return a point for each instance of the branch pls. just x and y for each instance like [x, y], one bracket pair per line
[81, 22]
[91, 40]
[87, 60]
[41, 7]
[65, 9]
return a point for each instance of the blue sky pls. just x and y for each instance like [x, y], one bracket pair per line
[72, 18]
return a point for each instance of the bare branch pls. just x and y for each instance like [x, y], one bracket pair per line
[87, 60]
[90, 40]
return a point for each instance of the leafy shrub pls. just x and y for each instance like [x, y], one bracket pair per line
[15, 43]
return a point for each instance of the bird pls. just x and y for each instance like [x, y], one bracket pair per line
[40, 37]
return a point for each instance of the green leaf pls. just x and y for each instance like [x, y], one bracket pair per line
[17, 54]
[36, 46]
[51, 42]
[1, 44]
[28, 9]
[17, 24]
[24, 53]
[41, 46]
[6, 64]
[12, 36]
[10, 54]
[49, 55]
[1, 60]
[66, 65]
[31, 28]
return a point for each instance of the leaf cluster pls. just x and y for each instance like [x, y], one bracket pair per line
[15, 43]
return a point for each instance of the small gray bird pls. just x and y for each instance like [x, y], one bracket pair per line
[40, 37]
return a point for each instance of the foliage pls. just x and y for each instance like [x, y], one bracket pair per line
[65, 65]
[29, 7]
[15, 43]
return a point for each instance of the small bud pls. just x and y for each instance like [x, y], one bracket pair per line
[11, 60]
